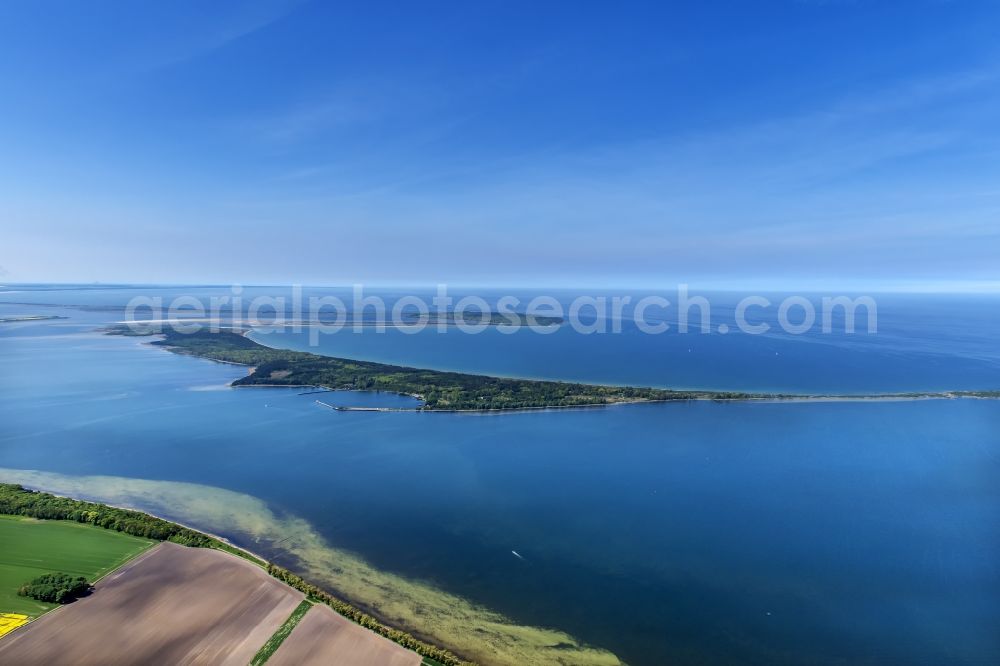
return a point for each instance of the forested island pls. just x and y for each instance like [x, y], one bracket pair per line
[438, 390]
[450, 391]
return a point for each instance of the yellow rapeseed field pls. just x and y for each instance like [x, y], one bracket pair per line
[11, 621]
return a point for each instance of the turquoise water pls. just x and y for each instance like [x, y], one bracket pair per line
[678, 533]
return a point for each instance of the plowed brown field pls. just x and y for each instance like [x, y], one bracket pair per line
[171, 605]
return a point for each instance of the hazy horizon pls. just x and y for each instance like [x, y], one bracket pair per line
[806, 287]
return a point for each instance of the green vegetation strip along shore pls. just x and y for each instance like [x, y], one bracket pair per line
[15, 500]
[350, 612]
[275, 641]
[440, 391]
[453, 391]
[425, 611]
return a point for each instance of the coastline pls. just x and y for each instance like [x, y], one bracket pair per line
[342, 608]
[623, 403]
[474, 393]
[427, 613]
[254, 557]
[763, 399]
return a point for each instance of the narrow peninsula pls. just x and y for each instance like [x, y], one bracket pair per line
[447, 391]
[439, 391]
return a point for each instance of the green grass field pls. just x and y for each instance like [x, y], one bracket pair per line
[30, 548]
[274, 642]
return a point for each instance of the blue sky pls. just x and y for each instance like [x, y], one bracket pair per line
[774, 143]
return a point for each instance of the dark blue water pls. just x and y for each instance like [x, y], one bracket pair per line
[690, 533]
[923, 342]
[933, 343]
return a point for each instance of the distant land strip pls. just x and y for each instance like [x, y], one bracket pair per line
[451, 318]
[451, 391]
[13, 320]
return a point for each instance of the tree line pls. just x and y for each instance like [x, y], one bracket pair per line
[365, 620]
[17, 500]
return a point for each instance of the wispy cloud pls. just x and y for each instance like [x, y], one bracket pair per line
[215, 32]
[836, 189]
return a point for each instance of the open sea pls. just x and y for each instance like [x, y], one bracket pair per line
[692, 533]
